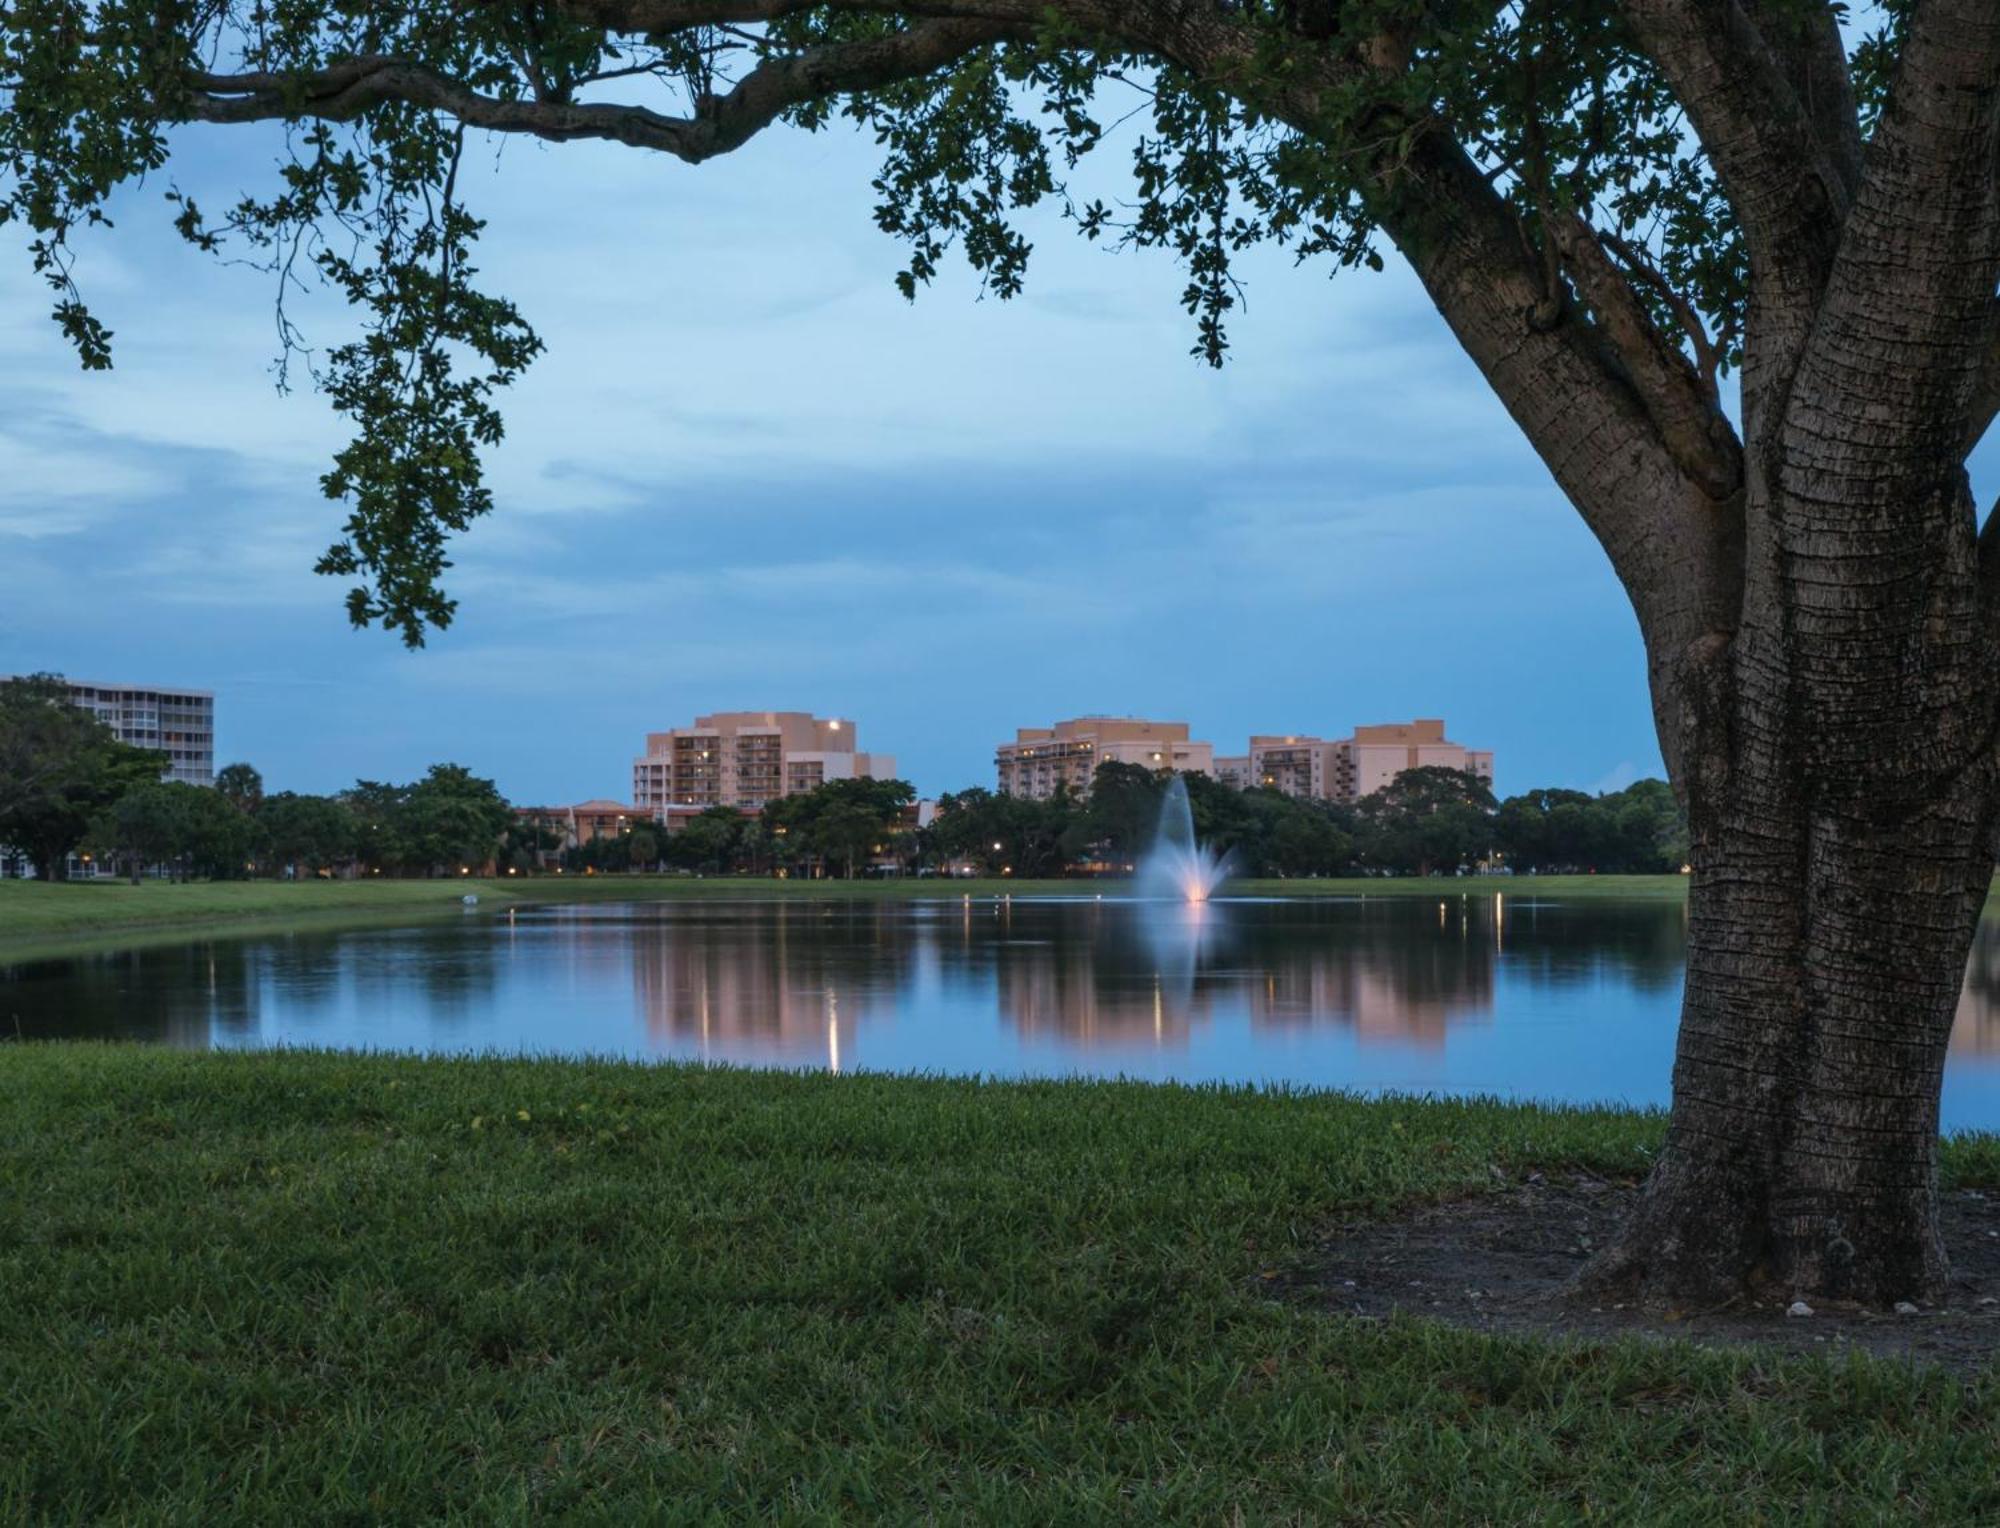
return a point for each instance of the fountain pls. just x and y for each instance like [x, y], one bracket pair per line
[1176, 866]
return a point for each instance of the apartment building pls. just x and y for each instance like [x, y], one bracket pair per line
[177, 723]
[1376, 755]
[1041, 759]
[1346, 769]
[746, 758]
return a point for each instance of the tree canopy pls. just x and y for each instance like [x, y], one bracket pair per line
[59, 767]
[1605, 169]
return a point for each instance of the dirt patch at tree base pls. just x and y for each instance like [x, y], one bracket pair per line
[1503, 1263]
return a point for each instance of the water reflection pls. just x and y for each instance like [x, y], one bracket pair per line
[1511, 994]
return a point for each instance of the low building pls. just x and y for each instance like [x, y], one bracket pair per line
[1041, 760]
[586, 822]
[746, 758]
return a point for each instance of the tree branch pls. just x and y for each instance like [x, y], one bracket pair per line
[348, 88]
[1805, 42]
[1681, 404]
[1787, 189]
[1906, 328]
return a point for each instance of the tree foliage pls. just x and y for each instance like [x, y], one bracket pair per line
[1320, 126]
[309, 833]
[59, 767]
[184, 830]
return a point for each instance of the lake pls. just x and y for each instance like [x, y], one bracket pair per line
[1512, 995]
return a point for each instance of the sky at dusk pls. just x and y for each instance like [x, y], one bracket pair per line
[748, 475]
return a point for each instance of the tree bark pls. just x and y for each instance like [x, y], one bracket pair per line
[1841, 816]
[1825, 957]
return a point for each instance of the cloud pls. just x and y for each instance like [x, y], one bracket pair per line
[748, 473]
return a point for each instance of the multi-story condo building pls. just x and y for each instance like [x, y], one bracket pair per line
[1346, 769]
[1041, 759]
[177, 723]
[746, 758]
[1376, 755]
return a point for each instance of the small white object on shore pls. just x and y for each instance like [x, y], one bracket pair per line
[469, 900]
[1798, 1308]
[1905, 1308]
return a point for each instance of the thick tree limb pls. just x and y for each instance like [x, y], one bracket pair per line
[346, 89]
[1681, 403]
[1787, 189]
[1805, 42]
[1906, 326]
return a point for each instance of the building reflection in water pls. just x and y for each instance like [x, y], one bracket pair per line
[780, 983]
[959, 983]
[796, 983]
[1977, 1029]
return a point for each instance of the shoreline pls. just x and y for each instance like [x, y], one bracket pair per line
[47, 920]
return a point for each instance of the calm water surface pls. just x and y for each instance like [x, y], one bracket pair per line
[1510, 995]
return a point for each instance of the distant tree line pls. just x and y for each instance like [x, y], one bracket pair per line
[843, 828]
[1426, 820]
[68, 786]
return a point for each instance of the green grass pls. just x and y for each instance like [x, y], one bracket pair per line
[303, 1287]
[34, 915]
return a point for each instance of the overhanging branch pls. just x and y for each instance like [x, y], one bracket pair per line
[344, 90]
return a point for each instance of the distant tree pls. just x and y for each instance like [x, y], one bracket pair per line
[60, 767]
[452, 819]
[241, 786]
[184, 829]
[708, 841]
[220, 840]
[307, 832]
[1426, 819]
[825, 825]
[1000, 833]
[144, 827]
[527, 843]
[1639, 830]
[1123, 812]
[642, 845]
[377, 811]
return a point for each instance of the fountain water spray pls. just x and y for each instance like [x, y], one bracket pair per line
[1176, 866]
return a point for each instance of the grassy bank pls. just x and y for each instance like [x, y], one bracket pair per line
[33, 914]
[246, 1287]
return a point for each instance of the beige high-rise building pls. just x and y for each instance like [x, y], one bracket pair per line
[178, 723]
[746, 758]
[1040, 759]
[1346, 769]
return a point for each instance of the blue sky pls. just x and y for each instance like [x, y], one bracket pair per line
[747, 474]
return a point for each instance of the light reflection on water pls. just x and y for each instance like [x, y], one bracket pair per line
[1509, 995]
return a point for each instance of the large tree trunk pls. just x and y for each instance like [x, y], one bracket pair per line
[1836, 761]
[1822, 979]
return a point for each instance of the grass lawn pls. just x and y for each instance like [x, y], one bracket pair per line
[35, 915]
[271, 1287]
